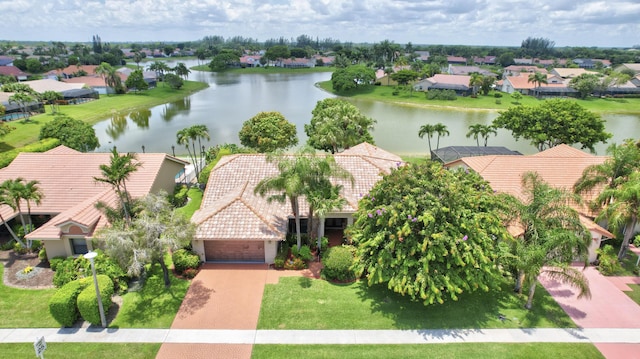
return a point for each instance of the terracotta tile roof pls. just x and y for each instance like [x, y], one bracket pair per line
[450, 79]
[231, 210]
[560, 166]
[11, 71]
[571, 72]
[66, 177]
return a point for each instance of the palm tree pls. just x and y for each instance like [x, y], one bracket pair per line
[552, 236]
[31, 192]
[480, 130]
[537, 78]
[440, 130]
[160, 68]
[14, 191]
[109, 75]
[22, 99]
[181, 70]
[188, 136]
[623, 161]
[622, 208]
[388, 70]
[475, 81]
[7, 201]
[116, 174]
[322, 202]
[430, 130]
[200, 132]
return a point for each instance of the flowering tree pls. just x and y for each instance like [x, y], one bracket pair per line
[429, 233]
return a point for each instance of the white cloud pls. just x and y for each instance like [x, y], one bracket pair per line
[469, 22]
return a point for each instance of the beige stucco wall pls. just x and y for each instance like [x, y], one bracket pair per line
[270, 251]
[595, 244]
[56, 248]
[198, 247]
[166, 176]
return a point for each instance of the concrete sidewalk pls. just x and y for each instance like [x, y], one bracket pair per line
[238, 336]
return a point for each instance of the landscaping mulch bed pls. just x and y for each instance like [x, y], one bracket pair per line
[41, 277]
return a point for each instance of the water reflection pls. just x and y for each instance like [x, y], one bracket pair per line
[117, 126]
[141, 117]
[173, 109]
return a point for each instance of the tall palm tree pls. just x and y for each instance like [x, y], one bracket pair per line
[181, 70]
[188, 136]
[475, 81]
[31, 192]
[622, 208]
[552, 236]
[441, 130]
[623, 161]
[479, 130]
[7, 201]
[428, 130]
[14, 190]
[322, 202]
[538, 78]
[116, 174]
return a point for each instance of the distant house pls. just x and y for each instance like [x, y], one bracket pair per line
[569, 73]
[468, 70]
[452, 153]
[457, 83]
[630, 66]
[150, 77]
[73, 71]
[6, 61]
[456, 60]
[325, 60]
[485, 60]
[72, 93]
[96, 82]
[13, 71]
[297, 63]
[67, 218]
[250, 61]
[423, 56]
[515, 70]
[560, 167]
[521, 83]
[591, 63]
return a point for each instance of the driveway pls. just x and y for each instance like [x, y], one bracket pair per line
[608, 307]
[221, 296]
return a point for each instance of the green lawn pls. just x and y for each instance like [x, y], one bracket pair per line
[466, 350]
[195, 198]
[635, 292]
[95, 111]
[154, 306]
[82, 350]
[302, 303]
[25, 308]
[384, 94]
[629, 264]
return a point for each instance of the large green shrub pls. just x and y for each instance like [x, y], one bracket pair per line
[88, 301]
[608, 261]
[41, 146]
[337, 262]
[62, 304]
[73, 268]
[184, 259]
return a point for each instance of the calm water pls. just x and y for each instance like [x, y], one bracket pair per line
[232, 99]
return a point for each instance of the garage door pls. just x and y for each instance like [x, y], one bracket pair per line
[234, 251]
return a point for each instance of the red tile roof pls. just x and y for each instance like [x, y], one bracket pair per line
[66, 177]
[231, 210]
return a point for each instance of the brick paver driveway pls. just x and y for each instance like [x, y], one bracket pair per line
[221, 296]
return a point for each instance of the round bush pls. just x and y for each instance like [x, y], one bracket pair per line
[54, 262]
[62, 304]
[88, 302]
[184, 259]
[337, 262]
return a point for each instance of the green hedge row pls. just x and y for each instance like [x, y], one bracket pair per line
[62, 305]
[88, 301]
[184, 259]
[40, 146]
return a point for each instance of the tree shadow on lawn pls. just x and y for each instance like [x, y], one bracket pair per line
[494, 309]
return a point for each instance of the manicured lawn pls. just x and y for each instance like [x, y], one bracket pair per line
[416, 160]
[92, 112]
[635, 293]
[195, 198]
[384, 93]
[82, 350]
[466, 350]
[25, 308]
[154, 306]
[302, 303]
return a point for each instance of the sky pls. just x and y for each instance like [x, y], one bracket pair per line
[608, 23]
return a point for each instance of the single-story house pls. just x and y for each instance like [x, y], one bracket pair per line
[452, 153]
[468, 70]
[67, 217]
[516, 70]
[591, 63]
[6, 61]
[569, 73]
[457, 83]
[97, 83]
[521, 83]
[456, 60]
[13, 71]
[250, 61]
[560, 167]
[237, 225]
[150, 77]
[635, 67]
[72, 71]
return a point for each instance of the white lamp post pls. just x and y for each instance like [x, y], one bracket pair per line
[90, 256]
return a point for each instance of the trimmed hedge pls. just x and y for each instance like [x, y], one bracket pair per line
[62, 304]
[88, 302]
[337, 262]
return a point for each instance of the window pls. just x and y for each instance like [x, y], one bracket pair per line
[79, 246]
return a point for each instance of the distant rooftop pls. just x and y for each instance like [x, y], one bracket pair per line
[452, 153]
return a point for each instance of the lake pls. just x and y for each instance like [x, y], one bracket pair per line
[233, 98]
